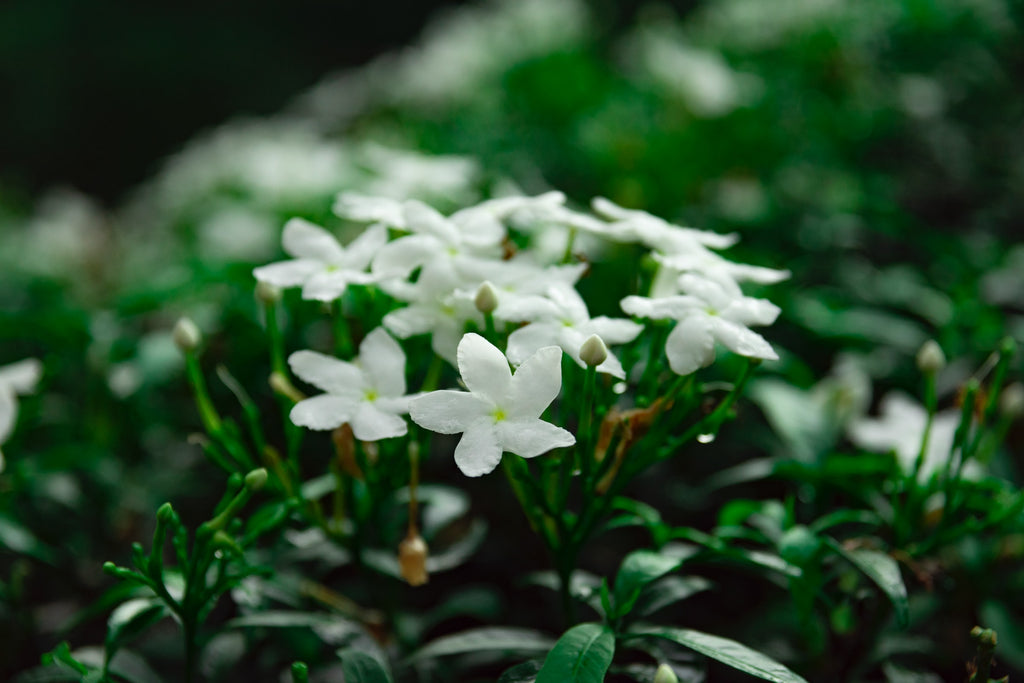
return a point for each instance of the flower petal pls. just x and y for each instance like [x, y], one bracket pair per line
[612, 330]
[478, 451]
[8, 413]
[751, 311]
[383, 361]
[358, 207]
[370, 423]
[363, 248]
[536, 383]
[22, 376]
[288, 273]
[448, 411]
[674, 307]
[484, 368]
[326, 285]
[401, 257]
[690, 345]
[530, 438]
[526, 340]
[741, 340]
[327, 373]
[304, 240]
[411, 320]
[325, 411]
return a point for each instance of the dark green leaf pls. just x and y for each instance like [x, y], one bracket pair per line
[131, 619]
[582, 655]
[729, 652]
[360, 667]
[667, 591]
[487, 638]
[884, 571]
[525, 672]
[283, 619]
[639, 569]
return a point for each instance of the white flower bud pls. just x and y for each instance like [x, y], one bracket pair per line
[486, 299]
[1011, 401]
[267, 293]
[593, 352]
[665, 674]
[930, 358]
[186, 335]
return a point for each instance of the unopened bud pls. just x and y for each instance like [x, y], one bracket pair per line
[412, 559]
[256, 479]
[1011, 401]
[165, 513]
[665, 674]
[930, 358]
[593, 352]
[267, 293]
[486, 299]
[186, 335]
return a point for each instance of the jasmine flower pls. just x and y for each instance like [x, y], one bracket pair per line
[501, 411]
[15, 379]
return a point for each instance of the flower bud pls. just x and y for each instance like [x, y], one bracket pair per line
[186, 335]
[486, 299]
[930, 358]
[412, 559]
[1011, 401]
[267, 293]
[593, 352]
[256, 479]
[665, 674]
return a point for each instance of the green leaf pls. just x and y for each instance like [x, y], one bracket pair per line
[639, 569]
[487, 638]
[884, 571]
[131, 619]
[524, 672]
[669, 590]
[283, 619]
[582, 655]
[997, 616]
[729, 652]
[360, 667]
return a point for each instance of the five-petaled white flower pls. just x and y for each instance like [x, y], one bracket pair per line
[710, 311]
[368, 393]
[501, 411]
[16, 378]
[321, 265]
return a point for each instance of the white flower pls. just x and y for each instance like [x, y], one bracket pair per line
[501, 411]
[900, 429]
[568, 324]
[709, 312]
[321, 265]
[15, 379]
[368, 393]
[658, 233]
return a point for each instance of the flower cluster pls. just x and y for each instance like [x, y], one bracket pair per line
[451, 276]
[15, 379]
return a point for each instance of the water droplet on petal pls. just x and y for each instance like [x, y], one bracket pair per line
[705, 438]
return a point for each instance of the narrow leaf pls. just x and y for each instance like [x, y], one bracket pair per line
[582, 655]
[639, 569]
[884, 571]
[488, 638]
[360, 667]
[729, 652]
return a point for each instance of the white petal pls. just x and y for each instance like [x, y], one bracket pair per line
[288, 273]
[357, 207]
[401, 257]
[536, 383]
[612, 330]
[741, 340]
[325, 411]
[370, 423]
[690, 345]
[530, 438]
[674, 307]
[305, 240]
[484, 368]
[326, 285]
[526, 340]
[717, 293]
[383, 361]
[479, 229]
[751, 311]
[363, 248]
[411, 320]
[448, 411]
[426, 220]
[612, 366]
[570, 302]
[327, 373]
[8, 413]
[478, 451]
[22, 376]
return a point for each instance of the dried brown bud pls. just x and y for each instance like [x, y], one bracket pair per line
[412, 559]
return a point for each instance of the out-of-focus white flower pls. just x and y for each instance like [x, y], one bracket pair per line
[657, 233]
[441, 314]
[709, 311]
[900, 429]
[15, 379]
[501, 411]
[567, 323]
[368, 393]
[321, 265]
